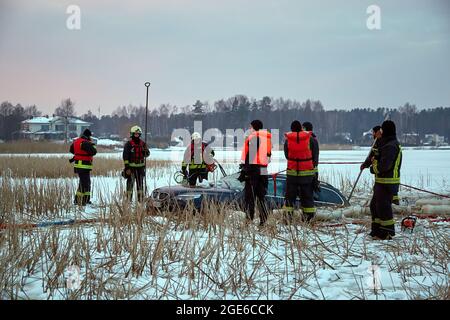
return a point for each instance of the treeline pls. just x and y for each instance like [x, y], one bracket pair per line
[332, 126]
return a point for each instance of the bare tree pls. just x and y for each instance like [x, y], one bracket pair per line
[66, 108]
[32, 111]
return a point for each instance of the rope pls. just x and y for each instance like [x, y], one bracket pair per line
[426, 191]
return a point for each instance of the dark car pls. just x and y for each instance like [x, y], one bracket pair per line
[229, 189]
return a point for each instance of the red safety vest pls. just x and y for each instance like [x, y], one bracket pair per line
[260, 155]
[137, 156]
[299, 152]
[80, 154]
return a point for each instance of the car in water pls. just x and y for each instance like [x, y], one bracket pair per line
[230, 190]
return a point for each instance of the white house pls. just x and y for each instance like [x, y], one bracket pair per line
[43, 128]
[434, 140]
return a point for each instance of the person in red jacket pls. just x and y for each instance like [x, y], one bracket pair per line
[254, 161]
[300, 152]
[197, 160]
[134, 153]
[84, 151]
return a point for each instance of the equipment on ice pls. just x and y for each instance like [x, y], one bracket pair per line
[409, 223]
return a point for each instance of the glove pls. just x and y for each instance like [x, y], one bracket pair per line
[362, 167]
[316, 184]
[184, 172]
[242, 176]
[71, 160]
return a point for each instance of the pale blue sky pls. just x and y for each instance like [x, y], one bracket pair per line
[212, 49]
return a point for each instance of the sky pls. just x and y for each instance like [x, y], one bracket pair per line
[212, 49]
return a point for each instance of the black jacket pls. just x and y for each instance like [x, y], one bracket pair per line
[389, 154]
[373, 153]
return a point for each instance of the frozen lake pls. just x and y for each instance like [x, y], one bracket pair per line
[427, 168]
[422, 167]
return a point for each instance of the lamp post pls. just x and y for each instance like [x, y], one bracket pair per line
[147, 85]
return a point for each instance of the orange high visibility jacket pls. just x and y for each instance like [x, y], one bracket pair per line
[80, 154]
[299, 153]
[257, 148]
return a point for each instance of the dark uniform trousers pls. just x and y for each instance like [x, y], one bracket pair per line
[256, 190]
[304, 188]
[137, 175]
[381, 209]
[200, 174]
[83, 194]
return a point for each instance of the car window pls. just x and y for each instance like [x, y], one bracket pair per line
[270, 187]
[280, 189]
[329, 195]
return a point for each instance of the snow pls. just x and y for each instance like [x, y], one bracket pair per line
[232, 261]
[109, 142]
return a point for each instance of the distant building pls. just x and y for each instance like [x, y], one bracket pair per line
[343, 137]
[410, 139]
[434, 139]
[52, 128]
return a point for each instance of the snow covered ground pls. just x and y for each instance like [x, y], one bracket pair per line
[126, 254]
[163, 258]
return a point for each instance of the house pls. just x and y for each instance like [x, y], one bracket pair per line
[52, 128]
[410, 139]
[434, 140]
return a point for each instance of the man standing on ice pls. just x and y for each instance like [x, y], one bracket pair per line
[386, 167]
[134, 153]
[302, 156]
[254, 161]
[376, 134]
[84, 151]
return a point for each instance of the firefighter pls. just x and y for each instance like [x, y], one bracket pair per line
[197, 160]
[307, 126]
[386, 167]
[302, 155]
[134, 153]
[255, 158]
[84, 151]
[376, 134]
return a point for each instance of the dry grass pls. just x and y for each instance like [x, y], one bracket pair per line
[128, 254]
[27, 146]
[59, 167]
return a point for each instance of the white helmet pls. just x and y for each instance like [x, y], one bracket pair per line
[135, 129]
[196, 136]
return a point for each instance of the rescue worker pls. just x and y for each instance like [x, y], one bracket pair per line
[376, 134]
[255, 158]
[307, 126]
[84, 151]
[386, 167]
[134, 153]
[302, 155]
[197, 160]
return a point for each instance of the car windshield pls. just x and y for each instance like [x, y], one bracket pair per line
[231, 182]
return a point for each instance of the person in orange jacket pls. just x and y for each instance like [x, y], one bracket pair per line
[301, 154]
[84, 151]
[255, 158]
